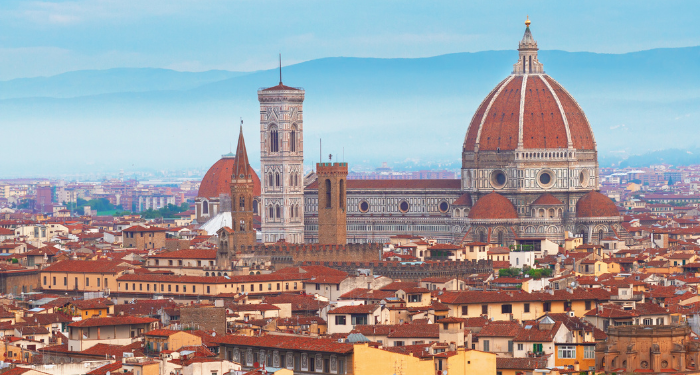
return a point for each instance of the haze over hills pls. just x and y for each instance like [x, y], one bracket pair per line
[412, 113]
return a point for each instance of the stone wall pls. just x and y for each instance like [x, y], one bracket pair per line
[208, 318]
[16, 282]
[413, 272]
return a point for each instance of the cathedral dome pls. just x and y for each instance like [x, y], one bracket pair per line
[217, 181]
[528, 110]
[493, 206]
[595, 204]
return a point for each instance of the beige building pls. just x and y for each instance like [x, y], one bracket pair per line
[82, 275]
[117, 330]
[142, 238]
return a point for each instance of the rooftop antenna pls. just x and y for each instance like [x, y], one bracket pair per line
[320, 150]
[280, 68]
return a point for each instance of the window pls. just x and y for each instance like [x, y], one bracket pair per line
[274, 139]
[465, 310]
[487, 345]
[54, 280]
[567, 351]
[399, 343]
[589, 352]
[484, 309]
[87, 281]
[293, 140]
[588, 305]
[648, 321]
[208, 290]
[44, 280]
[340, 320]
[547, 306]
[329, 202]
[526, 308]
[98, 281]
[521, 347]
[318, 286]
[65, 281]
[358, 319]
[567, 306]
[169, 287]
[506, 309]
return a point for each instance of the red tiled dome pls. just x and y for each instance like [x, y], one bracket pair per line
[551, 118]
[217, 181]
[464, 200]
[493, 206]
[547, 199]
[595, 204]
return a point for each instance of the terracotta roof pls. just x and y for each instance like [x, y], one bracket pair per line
[162, 332]
[358, 309]
[209, 279]
[94, 303]
[86, 266]
[140, 228]
[281, 87]
[547, 199]
[463, 200]
[535, 334]
[217, 180]
[493, 206]
[289, 343]
[496, 123]
[499, 329]
[111, 368]
[506, 363]
[595, 204]
[112, 321]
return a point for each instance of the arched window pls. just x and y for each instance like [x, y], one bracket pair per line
[269, 179]
[241, 203]
[501, 239]
[242, 226]
[205, 207]
[277, 179]
[482, 236]
[523, 64]
[272, 212]
[341, 195]
[584, 236]
[255, 206]
[551, 213]
[328, 194]
[279, 211]
[600, 236]
[274, 139]
[293, 139]
[529, 67]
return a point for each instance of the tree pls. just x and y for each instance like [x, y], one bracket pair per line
[509, 272]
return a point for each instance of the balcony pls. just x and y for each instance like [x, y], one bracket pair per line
[623, 298]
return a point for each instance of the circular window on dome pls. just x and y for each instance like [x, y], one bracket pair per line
[403, 206]
[545, 179]
[498, 179]
[583, 178]
[364, 207]
[443, 207]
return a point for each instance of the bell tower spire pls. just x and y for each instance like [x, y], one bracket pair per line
[527, 56]
[241, 235]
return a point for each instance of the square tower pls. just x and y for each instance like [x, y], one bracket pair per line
[282, 163]
[332, 203]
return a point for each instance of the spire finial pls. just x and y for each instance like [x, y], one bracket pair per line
[527, 21]
[280, 68]
[241, 124]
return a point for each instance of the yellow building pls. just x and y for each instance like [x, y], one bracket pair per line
[166, 339]
[82, 275]
[403, 360]
[91, 307]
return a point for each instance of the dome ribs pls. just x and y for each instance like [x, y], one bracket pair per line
[217, 180]
[501, 126]
[581, 133]
[543, 124]
[473, 130]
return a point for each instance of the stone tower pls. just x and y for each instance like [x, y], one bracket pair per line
[282, 163]
[242, 233]
[332, 222]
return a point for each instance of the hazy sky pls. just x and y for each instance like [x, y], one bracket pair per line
[49, 37]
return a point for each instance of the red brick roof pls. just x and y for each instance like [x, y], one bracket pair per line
[359, 309]
[288, 343]
[112, 321]
[535, 334]
[493, 206]
[495, 125]
[463, 200]
[162, 332]
[154, 277]
[499, 329]
[547, 199]
[506, 363]
[595, 204]
[86, 266]
[217, 180]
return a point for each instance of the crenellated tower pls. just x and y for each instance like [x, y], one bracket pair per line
[282, 163]
[332, 203]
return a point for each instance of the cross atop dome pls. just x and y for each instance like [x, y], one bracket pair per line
[527, 59]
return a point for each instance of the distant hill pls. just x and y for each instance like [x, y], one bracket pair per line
[408, 112]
